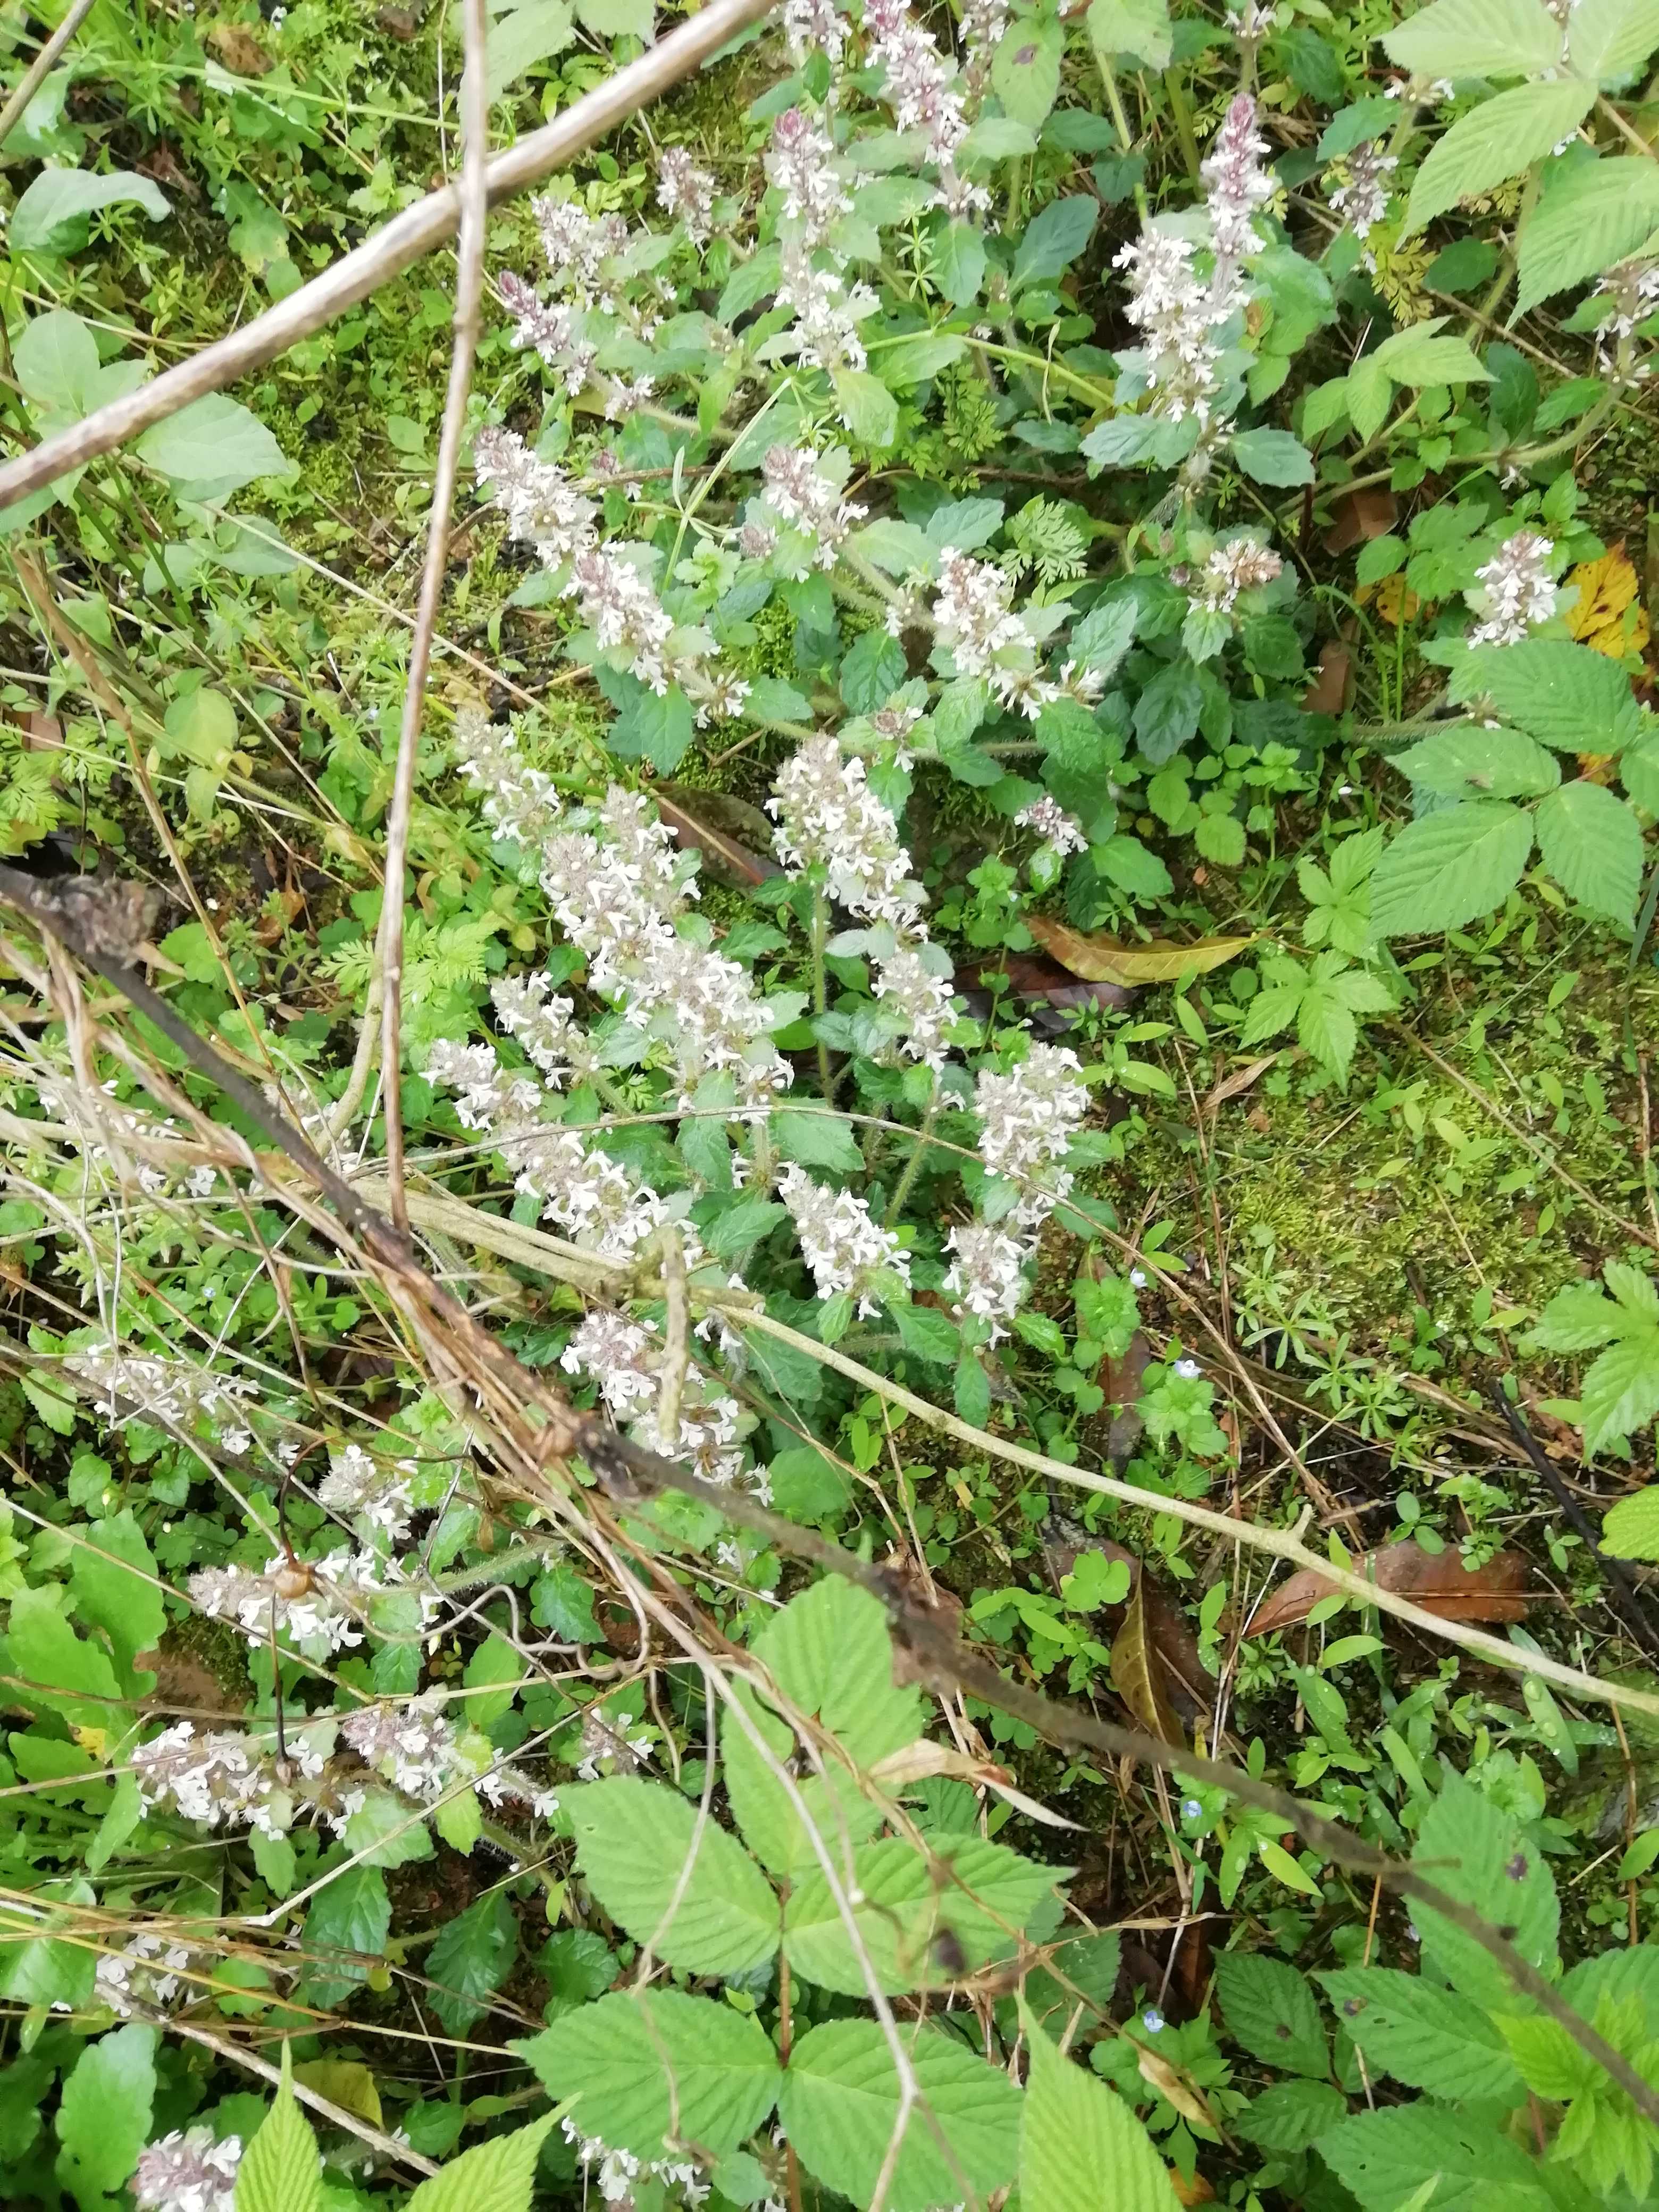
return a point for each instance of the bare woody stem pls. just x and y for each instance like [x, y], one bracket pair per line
[469, 300]
[397, 246]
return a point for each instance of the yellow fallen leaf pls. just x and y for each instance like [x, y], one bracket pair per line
[1159, 2075]
[345, 2082]
[92, 1741]
[1607, 616]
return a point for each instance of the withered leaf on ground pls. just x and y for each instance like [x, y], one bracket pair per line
[1138, 1675]
[239, 50]
[1164, 1631]
[1437, 1581]
[733, 837]
[1106, 960]
[1030, 975]
[1370, 511]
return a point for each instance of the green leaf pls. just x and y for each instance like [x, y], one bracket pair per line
[817, 1140]
[1424, 2035]
[643, 2064]
[519, 40]
[867, 407]
[387, 1831]
[830, 1655]
[1630, 1529]
[117, 1588]
[1470, 762]
[1417, 358]
[1563, 694]
[1577, 1319]
[352, 1913]
[1608, 40]
[1498, 140]
[653, 726]
[633, 1841]
[1292, 2115]
[281, 2171]
[1367, 389]
[959, 262]
[899, 548]
[840, 2104]
[1591, 843]
[904, 1904]
[40, 1970]
[1269, 2008]
[1273, 457]
[211, 448]
[1621, 1394]
[104, 2120]
[1167, 711]
[1443, 870]
[52, 216]
[1132, 866]
[618, 19]
[1592, 218]
[1387, 2159]
[1639, 771]
[1081, 2149]
[494, 2176]
[493, 1662]
[1053, 240]
[65, 1673]
[1025, 70]
[56, 360]
[470, 1960]
[1470, 1847]
[1139, 29]
[1325, 1026]
[1477, 38]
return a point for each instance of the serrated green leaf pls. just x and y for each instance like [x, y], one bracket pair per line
[904, 1904]
[53, 214]
[494, 2176]
[866, 407]
[1639, 771]
[281, 2170]
[1025, 70]
[470, 1960]
[1596, 215]
[1477, 38]
[1412, 358]
[1563, 694]
[1472, 1849]
[523, 37]
[1608, 40]
[641, 2063]
[1387, 2159]
[840, 2104]
[1292, 2115]
[1621, 1394]
[1139, 28]
[351, 1913]
[60, 1672]
[1425, 2036]
[1273, 457]
[1500, 139]
[1469, 762]
[633, 1841]
[116, 1587]
[1081, 2149]
[1630, 1529]
[1269, 2008]
[212, 448]
[1447, 868]
[1591, 843]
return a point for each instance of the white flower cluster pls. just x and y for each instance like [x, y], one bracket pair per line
[1179, 315]
[1026, 1119]
[1360, 196]
[1515, 590]
[974, 619]
[621, 607]
[518, 801]
[1060, 831]
[917, 86]
[828, 817]
[541, 504]
[529, 1009]
[813, 26]
[984, 25]
[607, 1745]
[188, 2172]
[319, 1610]
[803, 496]
[619, 2172]
[589, 1195]
[685, 191]
[844, 1245]
[1239, 565]
[356, 1488]
[170, 1393]
[1633, 289]
[226, 1779]
[417, 1749]
[145, 1972]
[622, 1356]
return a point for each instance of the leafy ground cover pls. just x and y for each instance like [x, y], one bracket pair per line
[951, 1504]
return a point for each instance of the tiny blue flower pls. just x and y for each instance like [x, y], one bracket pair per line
[1191, 1809]
[1189, 1370]
[1152, 2020]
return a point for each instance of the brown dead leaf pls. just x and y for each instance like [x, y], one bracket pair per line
[1138, 1670]
[1105, 960]
[1369, 512]
[1195, 2191]
[280, 912]
[399, 22]
[1159, 2075]
[1032, 976]
[733, 837]
[1437, 1581]
[1236, 1084]
[1328, 692]
[239, 50]
[918, 1760]
[42, 733]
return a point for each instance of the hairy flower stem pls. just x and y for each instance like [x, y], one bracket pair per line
[820, 932]
[918, 1153]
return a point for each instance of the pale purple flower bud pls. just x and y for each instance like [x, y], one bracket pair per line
[843, 1244]
[1049, 821]
[988, 1274]
[188, 2172]
[1516, 589]
[687, 192]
